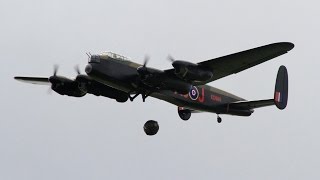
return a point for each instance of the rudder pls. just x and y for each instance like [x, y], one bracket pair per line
[281, 88]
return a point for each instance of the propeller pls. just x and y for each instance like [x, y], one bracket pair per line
[49, 91]
[55, 69]
[51, 78]
[143, 70]
[170, 58]
[178, 65]
[83, 82]
[77, 69]
[146, 60]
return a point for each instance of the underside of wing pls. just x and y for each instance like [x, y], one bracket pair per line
[234, 63]
[33, 80]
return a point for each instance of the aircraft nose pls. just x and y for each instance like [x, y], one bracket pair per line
[88, 69]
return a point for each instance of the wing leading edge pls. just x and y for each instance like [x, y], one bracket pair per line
[234, 63]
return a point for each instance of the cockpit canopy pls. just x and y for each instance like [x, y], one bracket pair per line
[115, 56]
[107, 55]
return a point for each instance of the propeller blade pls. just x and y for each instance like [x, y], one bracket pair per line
[55, 69]
[49, 91]
[77, 69]
[170, 58]
[143, 70]
[146, 60]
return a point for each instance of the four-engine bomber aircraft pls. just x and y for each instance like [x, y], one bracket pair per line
[116, 77]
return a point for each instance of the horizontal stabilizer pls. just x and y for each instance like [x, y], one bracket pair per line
[33, 80]
[251, 104]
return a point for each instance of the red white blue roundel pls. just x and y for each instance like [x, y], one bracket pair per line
[194, 93]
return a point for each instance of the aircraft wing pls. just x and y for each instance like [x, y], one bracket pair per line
[234, 63]
[33, 80]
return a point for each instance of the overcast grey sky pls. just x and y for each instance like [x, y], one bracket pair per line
[56, 137]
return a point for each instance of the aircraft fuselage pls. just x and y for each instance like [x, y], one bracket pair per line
[122, 75]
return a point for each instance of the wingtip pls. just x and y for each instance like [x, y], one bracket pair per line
[290, 45]
[287, 45]
[19, 78]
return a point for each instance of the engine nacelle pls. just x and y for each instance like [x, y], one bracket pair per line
[84, 82]
[191, 72]
[157, 79]
[91, 86]
[106, 91]
[150, 76]
[65, 86]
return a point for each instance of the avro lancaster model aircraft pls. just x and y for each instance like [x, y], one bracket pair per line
[116, 77]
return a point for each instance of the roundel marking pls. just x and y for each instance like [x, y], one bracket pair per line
[194, 93]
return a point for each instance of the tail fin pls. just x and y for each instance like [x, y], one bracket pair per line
[280, 95]
[281, 88]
